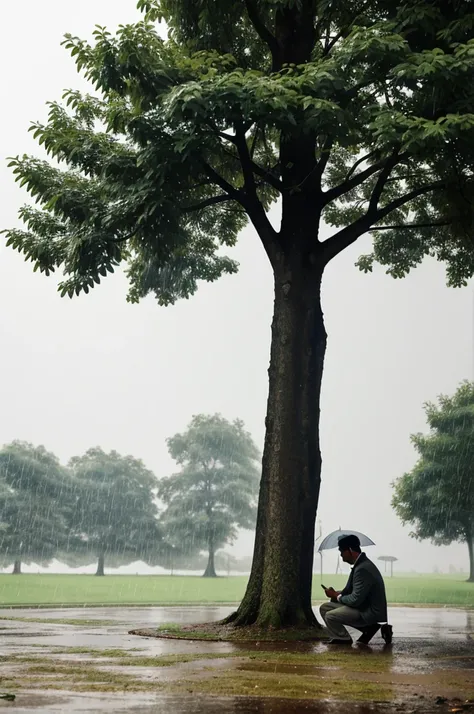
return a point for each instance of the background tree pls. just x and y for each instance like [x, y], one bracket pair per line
[33, 505]
[437, 496]
[388, 559]
[114, 509]
[359, 113]
[215, 491]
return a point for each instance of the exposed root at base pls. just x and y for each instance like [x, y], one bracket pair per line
[225, 632]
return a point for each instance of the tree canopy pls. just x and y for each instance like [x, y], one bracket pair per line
[33, 515]
[185, 139]
[354, 113]
[437, 496]
[216, 489]
[113, 508]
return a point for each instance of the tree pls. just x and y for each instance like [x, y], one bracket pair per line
[437, 496]
[356, 113]
[388, 559]
[216, 489]
[33, 486]
[114, 509]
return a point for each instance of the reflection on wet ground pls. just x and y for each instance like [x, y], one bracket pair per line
[425, 640]
[194, 705]
[432, 624]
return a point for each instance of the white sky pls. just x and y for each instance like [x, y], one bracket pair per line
[96, 370]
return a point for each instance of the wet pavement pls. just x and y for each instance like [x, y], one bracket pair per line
[196, 705]
[408, 622]
[422, 636]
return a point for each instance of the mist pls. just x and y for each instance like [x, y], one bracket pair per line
[97, 371]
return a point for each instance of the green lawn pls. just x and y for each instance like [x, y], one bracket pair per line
[16, 590]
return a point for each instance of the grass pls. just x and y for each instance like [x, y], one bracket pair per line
[268, 659]
[254, 673]
[351, 661]
[288, 686]
[84, 677]
[339, 675]
[218, 632]
[133, 590]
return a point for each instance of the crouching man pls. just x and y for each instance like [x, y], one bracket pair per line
[362, 604]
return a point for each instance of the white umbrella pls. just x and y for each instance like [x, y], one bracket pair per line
[332, 540]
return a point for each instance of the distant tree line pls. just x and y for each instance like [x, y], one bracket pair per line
[108, 508]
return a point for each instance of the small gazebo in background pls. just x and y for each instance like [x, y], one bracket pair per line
[388, 559]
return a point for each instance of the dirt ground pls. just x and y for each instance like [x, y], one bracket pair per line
[85, 660]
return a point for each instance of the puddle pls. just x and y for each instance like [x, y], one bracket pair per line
[6, 632]
[425, 640]
[187, 705]
[425, 623]
[74, 704]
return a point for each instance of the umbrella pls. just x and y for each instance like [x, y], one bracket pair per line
[332, 540]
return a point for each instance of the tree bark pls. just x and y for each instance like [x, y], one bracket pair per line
[210, 571]
[16, 567]
[279, 589]
[470, 545]
[100, 565]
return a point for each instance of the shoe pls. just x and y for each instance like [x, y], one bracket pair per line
[336, 641]
[387, 633]
[367, 634]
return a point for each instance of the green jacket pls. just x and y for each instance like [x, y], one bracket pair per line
[365, 591]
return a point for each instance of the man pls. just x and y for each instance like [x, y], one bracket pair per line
[362, 604]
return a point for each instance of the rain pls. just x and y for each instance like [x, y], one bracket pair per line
[132, 437]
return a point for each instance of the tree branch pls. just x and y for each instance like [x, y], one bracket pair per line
[402, 200]
[252, 203]
[246, 163]
[262, 30]
[329, 44]
[407, 177]
[411, 226]
[219, 133]
[345, 237]
[356, 180]
[223, 135]
[392, 161]
[354, 91]
[249, 167]
[267, 176]
[222, 183]
[259, 170]
[211, 201]
[124, 239]
[254, 142]
[350, 183]
[325, 156]
[358, 163]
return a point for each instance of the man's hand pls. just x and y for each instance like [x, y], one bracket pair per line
[331, 593]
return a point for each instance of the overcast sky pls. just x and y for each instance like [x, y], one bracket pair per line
[97, 371]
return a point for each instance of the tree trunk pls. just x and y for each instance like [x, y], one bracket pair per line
[279, 589]
[470, 545]
[100, 565]
[16, 567]
[210, 571]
